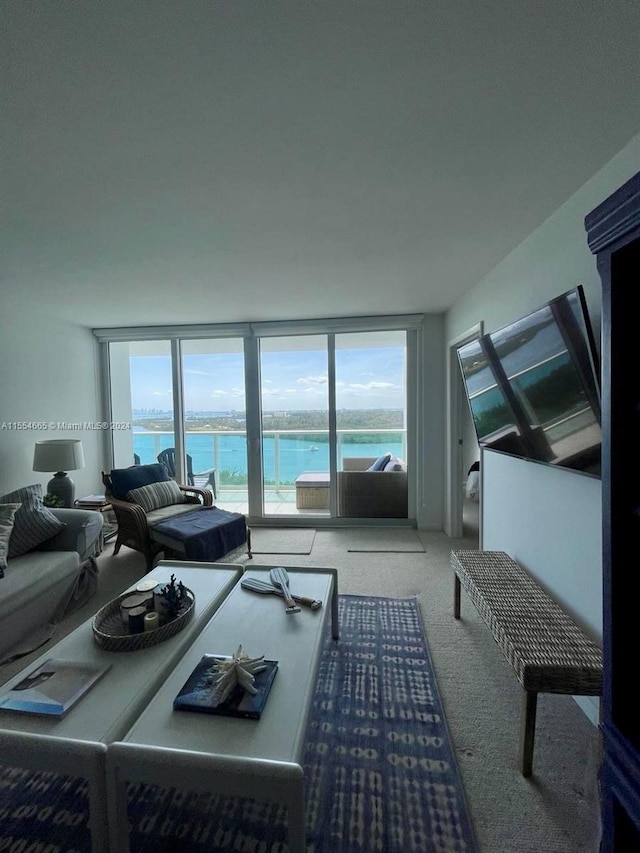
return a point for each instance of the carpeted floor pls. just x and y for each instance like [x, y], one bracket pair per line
[389, 541]
[265, 540]
[381, 771]
[557, 810]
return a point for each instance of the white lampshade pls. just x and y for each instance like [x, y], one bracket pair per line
[61, 454]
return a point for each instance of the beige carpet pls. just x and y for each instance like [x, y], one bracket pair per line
[556, 811]
[265, 540]
[390, 541]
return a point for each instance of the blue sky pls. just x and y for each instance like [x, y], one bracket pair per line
[365, 378]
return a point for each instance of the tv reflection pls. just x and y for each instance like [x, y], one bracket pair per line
[532, 387]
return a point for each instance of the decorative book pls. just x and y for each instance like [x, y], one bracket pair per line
[52, 688]
[199, 692]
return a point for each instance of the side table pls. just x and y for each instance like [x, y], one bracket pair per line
[110, 528]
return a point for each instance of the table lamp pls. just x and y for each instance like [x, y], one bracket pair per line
[59, 455]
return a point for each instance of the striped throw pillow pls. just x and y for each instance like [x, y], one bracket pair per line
[33, 523]
[157, 495]
[7, 514]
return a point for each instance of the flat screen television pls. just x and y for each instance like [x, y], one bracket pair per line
[533, 387]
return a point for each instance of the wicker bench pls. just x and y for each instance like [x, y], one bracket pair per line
[547, 650]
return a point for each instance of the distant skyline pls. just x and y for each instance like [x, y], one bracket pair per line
[291, 381]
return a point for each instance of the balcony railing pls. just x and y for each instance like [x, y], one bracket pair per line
[286, 453]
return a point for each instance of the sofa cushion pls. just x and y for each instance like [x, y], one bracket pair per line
[166, 512]
[157, 495]
[123, 480]
[81, 533]
[7, 515]
[33, 523]
[380, 462]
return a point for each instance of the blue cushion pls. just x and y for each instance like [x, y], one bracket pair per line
[123, 480]
[380, 462]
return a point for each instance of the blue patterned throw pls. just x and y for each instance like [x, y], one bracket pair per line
[379, 765]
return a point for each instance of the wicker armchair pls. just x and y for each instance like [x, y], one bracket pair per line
[371, 494]
[133, 523]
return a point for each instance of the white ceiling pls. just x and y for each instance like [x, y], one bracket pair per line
[184, 161]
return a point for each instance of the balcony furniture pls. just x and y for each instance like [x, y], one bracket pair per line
[76, 744]
[260, 760]
[135, 522]
[312, 490]
[547, 650]
[167, 458]
[364, 493]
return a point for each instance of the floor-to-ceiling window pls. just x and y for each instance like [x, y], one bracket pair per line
[295, 422]
[265, 417]
[371, 394]
[214, 417]
[141, 390]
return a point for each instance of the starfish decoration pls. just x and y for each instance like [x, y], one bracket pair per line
[240, 669]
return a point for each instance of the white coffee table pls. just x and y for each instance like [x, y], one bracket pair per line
[260, 759]
[76, 744]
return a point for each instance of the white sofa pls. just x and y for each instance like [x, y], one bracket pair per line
[44, 584]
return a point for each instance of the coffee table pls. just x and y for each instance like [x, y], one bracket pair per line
[259, 759]
[76, 744]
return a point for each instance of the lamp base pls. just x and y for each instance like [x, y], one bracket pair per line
[63, 487]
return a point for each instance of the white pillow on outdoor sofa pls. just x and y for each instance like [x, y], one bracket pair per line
[395, 464]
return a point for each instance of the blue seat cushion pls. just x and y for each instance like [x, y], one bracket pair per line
[123, 480]
[205, 534]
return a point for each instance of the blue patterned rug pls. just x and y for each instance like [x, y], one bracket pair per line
[380, 769]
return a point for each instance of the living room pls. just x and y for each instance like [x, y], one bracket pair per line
[110, 225]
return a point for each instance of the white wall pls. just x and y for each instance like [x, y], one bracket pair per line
[49, 374]
[431, 436]
[550, 520]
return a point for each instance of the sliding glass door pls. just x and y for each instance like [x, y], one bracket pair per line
[294, 407]
[371, 423]
[371, 394]
[330, 402]
[142, 395]
[215, 426]
[268, 422]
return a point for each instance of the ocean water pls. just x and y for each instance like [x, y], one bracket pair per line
[295, 455]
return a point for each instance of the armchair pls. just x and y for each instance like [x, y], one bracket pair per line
[136, 514]
[372, 494]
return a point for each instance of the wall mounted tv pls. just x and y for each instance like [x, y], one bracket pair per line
[533, 387]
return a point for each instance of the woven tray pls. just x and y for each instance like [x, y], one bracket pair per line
[110, 632]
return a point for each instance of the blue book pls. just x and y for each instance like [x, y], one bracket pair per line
[199, 694]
